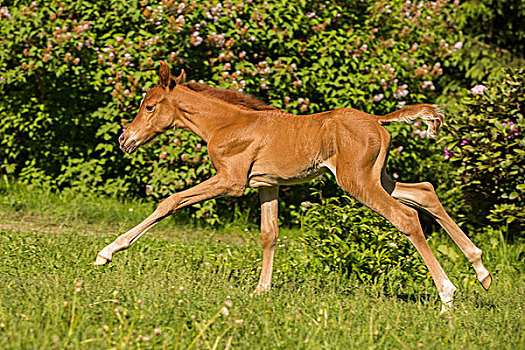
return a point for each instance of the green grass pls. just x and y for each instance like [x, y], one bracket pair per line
[168, 290]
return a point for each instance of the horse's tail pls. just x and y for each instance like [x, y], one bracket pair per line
[432, 115]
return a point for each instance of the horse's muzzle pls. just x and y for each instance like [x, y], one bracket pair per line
[127, 144]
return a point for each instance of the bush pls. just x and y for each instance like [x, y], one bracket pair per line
[346, 236]
[73, 74]
[493, 38]
[485, 144]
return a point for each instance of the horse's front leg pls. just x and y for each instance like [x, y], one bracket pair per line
[269, 234]
[216, 186]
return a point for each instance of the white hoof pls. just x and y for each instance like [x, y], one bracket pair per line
[445, 308]
[262, 289]
[100, 260]
[447, 295]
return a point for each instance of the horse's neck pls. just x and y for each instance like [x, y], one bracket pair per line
[204, 114]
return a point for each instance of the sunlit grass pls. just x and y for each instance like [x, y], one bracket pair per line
[182, 288]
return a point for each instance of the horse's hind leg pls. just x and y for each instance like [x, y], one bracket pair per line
[422, 196]
[363, 186]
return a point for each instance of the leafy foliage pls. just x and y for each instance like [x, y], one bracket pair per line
[499, 23]
[73, 73]
[346, 236]
[493, 37]
[485, 144]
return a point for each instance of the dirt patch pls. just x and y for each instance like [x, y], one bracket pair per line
[36, 223]
[46, 225]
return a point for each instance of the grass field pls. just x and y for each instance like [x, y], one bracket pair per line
[183, 287]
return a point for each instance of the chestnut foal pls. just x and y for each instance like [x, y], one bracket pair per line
[255, 145]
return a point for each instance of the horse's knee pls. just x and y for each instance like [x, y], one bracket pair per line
[269, 235]
[167, 207]
[234, 189]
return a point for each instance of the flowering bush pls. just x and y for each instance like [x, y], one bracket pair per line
[73, 74]
[485, 143]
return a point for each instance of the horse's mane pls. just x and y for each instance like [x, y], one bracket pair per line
[236, 98]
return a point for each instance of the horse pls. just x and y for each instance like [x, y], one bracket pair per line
[252, 144]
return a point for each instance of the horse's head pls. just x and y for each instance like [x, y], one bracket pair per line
[157, 112]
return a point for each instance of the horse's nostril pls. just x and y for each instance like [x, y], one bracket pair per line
[121, 138]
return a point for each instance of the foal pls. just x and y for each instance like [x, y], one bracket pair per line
[255, 145]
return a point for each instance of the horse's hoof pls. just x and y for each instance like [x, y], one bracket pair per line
[444, 309]
[100, 260]
[487, 281]
[261, 289]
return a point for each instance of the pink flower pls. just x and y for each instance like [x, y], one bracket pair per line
[378, 98]
[458, 45]
[448, 154]
[479, 89]
[514, 130]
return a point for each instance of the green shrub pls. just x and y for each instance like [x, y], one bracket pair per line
[73, 74]
[346, 236]
[485, 144]
[503, 45]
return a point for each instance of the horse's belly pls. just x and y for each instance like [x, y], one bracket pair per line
[268, 179]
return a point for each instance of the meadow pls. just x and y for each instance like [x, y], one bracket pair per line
[188, 287]
[72, 75]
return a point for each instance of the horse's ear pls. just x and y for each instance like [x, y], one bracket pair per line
[181, 78]
[164, 74]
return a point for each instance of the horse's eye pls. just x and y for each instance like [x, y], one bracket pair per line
[150, 108]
